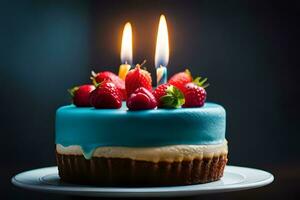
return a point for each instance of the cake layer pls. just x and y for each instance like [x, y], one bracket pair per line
[172, 153]
[90, 128]
[127, 172]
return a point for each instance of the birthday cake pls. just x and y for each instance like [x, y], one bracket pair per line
[124, 132]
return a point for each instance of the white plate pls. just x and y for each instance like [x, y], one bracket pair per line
[235, 178]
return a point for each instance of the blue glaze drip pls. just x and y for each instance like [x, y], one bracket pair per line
[88, 150]
[91, 128]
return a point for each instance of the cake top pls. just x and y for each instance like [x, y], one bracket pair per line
[129, 112]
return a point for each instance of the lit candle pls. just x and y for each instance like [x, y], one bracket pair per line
[162, 51]
[126, 51]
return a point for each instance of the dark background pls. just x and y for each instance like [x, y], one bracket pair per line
[249, 50]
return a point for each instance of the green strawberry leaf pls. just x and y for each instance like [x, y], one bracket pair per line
[201, 82]
[73, 90]
[168, 101]
[93, 78]
[173, 99]
[188, 72]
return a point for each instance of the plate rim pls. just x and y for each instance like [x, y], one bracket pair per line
[187, 190]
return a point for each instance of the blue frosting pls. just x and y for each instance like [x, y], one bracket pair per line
[91, 128]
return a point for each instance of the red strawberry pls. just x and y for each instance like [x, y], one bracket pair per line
[137, 78]
[195, 95]
[180, 79]
[106, 95]
[168, 96]
[81, 95]
[107, 75]
[141, 99]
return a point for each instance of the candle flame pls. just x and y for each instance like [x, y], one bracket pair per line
[162, 44]
[126, 47]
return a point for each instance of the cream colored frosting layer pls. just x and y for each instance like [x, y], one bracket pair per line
[154, 154]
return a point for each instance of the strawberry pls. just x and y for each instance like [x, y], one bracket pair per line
[106, 95]
[81, 95]
[168, 96]
[141, 99]
[107, 75]
[195, 95]
[137, 78]
[180, 79]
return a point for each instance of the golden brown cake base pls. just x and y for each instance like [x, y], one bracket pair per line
[128, 172]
